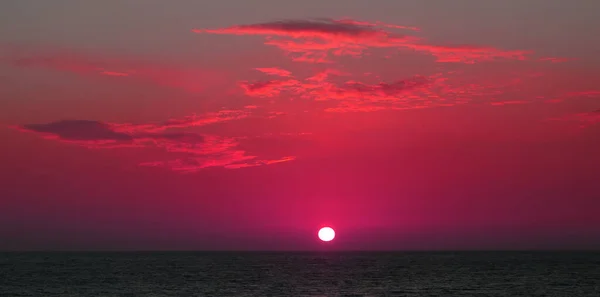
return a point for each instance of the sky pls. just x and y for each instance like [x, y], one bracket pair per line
[248, 125]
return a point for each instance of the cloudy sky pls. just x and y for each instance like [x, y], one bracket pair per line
[417, 124]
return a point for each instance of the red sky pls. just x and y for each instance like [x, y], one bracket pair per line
[400, 132]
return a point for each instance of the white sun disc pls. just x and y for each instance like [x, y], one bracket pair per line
[326, 234]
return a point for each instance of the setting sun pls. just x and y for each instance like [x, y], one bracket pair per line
[326, 234]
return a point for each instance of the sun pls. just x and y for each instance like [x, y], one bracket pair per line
[326, 234]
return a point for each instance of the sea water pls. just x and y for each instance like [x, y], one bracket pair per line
[232, 274]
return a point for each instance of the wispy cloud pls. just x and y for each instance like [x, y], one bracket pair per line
[316, 40]
[468, 53]
[509, 102]
[185, 122]
[574, 95]
[190, 80]
[311, 28]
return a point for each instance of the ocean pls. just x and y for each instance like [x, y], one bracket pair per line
[233, 274]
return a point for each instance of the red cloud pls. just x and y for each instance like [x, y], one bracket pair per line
[556, 59]
[585, 119]
[381, 24]
[380, 91]
[468, 54]
[413, 92]
[186, 122]
[509, 102]
[231, 160]
[275, 71]
[216, 152]
[199, 150]
[590, 117]
[319, 88]
[113, 73]
[315, 28]
[314, 40]
[324, 75]
[441, 89]
[586, 93]
[575, 94]
[260, 162]
[267, 88]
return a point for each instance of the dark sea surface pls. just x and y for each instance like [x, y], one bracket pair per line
[301, 274]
